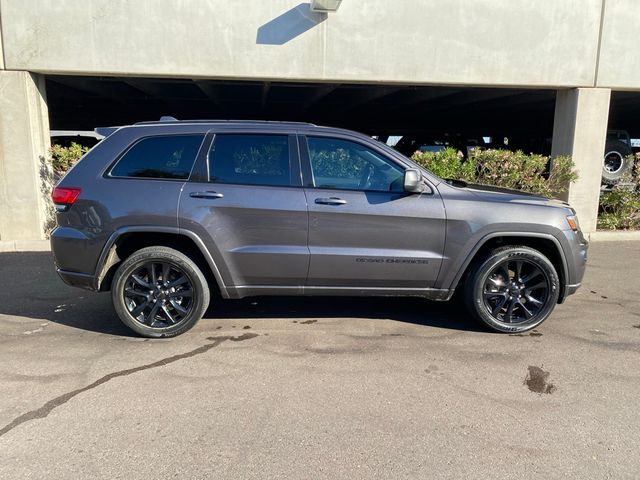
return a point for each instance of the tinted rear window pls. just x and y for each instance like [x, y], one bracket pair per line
[170, 156]
[250, 160]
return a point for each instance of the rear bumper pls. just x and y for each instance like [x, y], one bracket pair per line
[73, 254]
[74, 251]
[75, 279]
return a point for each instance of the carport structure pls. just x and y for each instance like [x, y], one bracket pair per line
[529, 72]
[84, 102]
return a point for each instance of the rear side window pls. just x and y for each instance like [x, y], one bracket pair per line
[170, 156]
[250, 160]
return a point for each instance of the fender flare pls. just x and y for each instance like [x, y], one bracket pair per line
[108, 257]
[471, 255]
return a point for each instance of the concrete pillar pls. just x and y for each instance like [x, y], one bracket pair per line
[24, 144]
[580, 130]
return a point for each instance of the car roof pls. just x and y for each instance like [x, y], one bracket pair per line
[253, 125]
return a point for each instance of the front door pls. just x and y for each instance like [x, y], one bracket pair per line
[364, 230]
[248, 206]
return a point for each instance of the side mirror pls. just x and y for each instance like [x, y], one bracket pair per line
[413, 181]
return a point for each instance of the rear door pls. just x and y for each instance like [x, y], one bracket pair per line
[364, 230]
[245, 201]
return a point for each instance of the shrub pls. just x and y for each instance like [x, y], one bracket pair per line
[530, 173]
[447, 164]
[63, 158]
[52, 169]
[620, 207]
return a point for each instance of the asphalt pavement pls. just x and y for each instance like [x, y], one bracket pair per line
[322, 388]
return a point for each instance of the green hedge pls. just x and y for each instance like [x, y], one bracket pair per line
[63, 158]
[502, 168]
[620, 207]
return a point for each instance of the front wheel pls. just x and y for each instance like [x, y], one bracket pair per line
[159, 292]
[514, 289]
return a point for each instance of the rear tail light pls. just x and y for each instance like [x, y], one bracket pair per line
[65, 196]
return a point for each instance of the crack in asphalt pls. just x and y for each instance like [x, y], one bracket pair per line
[48, 407]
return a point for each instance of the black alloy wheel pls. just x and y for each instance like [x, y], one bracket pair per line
[515, 291]
[159, 292]
[512, 289]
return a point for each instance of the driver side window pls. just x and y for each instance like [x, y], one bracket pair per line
[342, 164]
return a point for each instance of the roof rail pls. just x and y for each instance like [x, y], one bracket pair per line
[167, 119]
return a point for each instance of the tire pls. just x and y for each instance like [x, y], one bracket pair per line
[617, 162]
[529, 298]
[154, 306]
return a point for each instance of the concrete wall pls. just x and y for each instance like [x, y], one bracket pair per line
[619, 66]
[1, 50]
[24, 140]
[548, 43]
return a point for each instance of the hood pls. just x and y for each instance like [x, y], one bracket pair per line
[499, 194]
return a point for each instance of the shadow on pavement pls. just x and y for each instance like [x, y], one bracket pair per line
[30, 287]
[416, 311]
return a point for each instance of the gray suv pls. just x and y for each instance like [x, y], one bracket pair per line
[164, 214]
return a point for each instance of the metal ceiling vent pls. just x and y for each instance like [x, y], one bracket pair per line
[325, 6]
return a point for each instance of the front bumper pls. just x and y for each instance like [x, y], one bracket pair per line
[575, 248]
[569, 290]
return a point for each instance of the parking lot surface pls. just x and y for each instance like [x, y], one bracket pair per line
[319, 388]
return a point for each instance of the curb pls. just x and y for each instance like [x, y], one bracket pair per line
[615, 236]
[25, 246]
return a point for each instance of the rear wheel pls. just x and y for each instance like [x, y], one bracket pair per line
[159, 292]
[514, 289]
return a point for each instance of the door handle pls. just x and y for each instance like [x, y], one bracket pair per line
[206, 195]
[331, 201]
